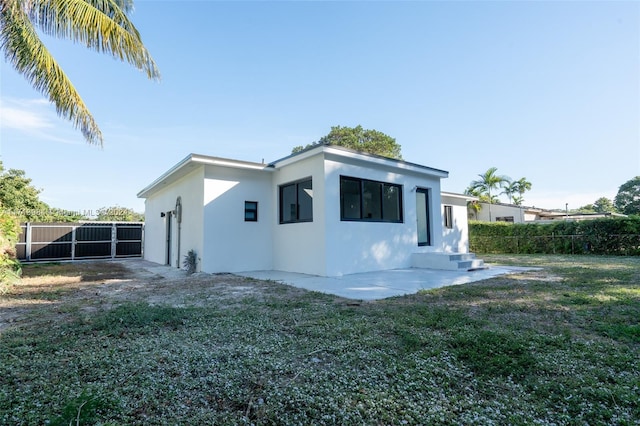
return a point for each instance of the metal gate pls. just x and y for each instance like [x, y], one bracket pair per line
[75, 241]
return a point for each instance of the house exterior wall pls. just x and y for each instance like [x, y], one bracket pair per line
[359, 246]
[214, 225]
[300, 247]
[455, 239]
[232, 244]
[501, 210]
[189, 188]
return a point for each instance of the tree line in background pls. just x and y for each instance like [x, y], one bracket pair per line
[491, 185]
[20, 200]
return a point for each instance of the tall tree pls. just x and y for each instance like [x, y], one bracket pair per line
[489, 181]
[510, 189]
[359, 139]
[20, 199]
[522, 185]
[102, 25]
[627, 201]
[603, 205]
[474, 207]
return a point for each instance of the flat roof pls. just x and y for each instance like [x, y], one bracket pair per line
[340, 151]
[190, 163]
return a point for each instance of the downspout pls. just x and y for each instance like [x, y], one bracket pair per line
[179, 220]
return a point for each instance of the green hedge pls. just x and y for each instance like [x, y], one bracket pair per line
[619, 236]
[10, 268]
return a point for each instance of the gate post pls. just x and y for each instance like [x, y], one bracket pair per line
[142, 241]
[73, 243]
[27, 241]
[114, 240]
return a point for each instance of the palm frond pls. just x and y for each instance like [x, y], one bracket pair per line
[29, 56]
[101, 25]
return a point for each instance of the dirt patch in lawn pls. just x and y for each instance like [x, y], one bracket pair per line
[49, 293]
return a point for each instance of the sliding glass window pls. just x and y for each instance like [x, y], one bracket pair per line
[369, 200]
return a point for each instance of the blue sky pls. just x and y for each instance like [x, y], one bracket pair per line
[549, 91]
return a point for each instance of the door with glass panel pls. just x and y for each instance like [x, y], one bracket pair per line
[422, 212]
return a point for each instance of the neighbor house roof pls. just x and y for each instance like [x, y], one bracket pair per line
[577, 216]
[456, 195]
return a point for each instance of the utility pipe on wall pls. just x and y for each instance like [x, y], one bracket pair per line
[179, 220]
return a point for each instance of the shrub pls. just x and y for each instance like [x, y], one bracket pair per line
[190, 262]
[618, 236]
[10, 268]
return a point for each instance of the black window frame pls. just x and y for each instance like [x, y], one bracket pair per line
[507, 219]
[248, 209]
[448, 217]
[297, 186]
[361, 184]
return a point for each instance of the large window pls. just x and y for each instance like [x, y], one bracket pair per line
[296, 202]
[369, 200]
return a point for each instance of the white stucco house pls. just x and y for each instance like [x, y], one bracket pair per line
[325, 211]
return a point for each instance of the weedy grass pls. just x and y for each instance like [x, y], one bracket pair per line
[557, 346]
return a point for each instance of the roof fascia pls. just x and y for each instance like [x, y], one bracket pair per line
[343, 152]
[176, 171]
[405, 166]
[456, 195]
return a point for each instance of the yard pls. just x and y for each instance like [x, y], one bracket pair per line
[102, 343]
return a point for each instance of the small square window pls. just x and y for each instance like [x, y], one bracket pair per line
[250, 211]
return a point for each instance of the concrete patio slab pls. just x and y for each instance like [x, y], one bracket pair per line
[382, 284]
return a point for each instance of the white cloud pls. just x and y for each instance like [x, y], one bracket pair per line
[27, 115]
[33, 117]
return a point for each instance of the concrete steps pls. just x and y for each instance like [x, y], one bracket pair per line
[447, 261]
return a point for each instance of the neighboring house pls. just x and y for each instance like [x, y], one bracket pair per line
[324, 211]
[501, 212]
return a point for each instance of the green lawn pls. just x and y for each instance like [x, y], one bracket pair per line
[556, 346]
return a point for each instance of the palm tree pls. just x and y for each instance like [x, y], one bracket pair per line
[510, 188]
[489, 180]
[102, 25]
[522, 186]
[473, 207]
